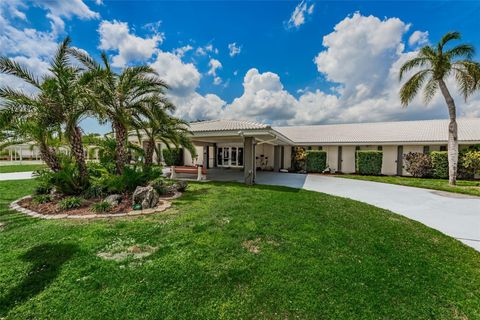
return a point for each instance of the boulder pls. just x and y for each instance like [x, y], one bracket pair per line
[181, 185]
[147, 197]
[113, 199]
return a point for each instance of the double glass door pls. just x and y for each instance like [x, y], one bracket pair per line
[230, 156]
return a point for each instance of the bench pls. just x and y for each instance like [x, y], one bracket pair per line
[200, 171]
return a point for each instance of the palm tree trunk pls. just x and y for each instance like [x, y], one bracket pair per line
[121, 148]
[452, 134]
[49, 156]
[78, 152]
[149, 149]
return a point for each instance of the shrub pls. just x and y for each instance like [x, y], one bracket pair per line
[173, 157]
[316, 161]
[440, 164]
[103, 206]
[418, 164]
[159, 185]
[299, 157]
[42, 198]
[70, 203]
[470, 161]
[369, 162]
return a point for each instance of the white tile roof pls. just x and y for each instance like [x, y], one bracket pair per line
[226, 125]
[382, 132]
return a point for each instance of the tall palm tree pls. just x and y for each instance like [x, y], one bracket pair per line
[73, 94]
[30, 116]
[434, 65]
[121, 95]
[156, 124]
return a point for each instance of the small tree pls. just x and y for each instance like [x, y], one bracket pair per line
[471, 161]
[418, 164]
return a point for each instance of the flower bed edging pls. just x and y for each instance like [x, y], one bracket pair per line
[164, 206]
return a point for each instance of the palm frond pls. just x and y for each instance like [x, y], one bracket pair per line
[429, 91]
[417, 62]
[411, 88]
[13, 68]
[463, 50]
[449, 36]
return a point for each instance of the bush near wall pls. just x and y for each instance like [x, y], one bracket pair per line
[316, 161]
[440, 164]
[173, 157]
[369, 162]
[419, 164]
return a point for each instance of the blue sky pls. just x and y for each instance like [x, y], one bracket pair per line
[285, 63]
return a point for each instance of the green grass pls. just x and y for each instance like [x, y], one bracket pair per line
[320, 257]
[21, 168]
[463, 186]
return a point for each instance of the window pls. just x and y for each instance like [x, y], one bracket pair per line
[443, 148]
[380, 148]
[426, 149]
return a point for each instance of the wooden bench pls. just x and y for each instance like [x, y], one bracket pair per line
[200, 171]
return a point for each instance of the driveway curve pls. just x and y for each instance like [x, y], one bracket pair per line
[453, 214]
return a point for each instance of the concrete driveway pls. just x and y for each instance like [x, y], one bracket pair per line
[453, 214]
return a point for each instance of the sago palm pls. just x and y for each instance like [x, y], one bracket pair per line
[120, 95]
[433, 66]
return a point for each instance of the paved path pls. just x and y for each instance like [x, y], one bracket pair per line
[16, 176]
[455, 215]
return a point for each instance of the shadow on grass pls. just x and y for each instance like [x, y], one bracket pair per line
[46, 261]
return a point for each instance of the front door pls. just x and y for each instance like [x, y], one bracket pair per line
[230, 157]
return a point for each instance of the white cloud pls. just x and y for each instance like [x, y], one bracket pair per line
[58, 9]
[180, 52]
[299, 14]
[418, 38]
[183, 78]
[203, 51]
[116, 36]
[234, 49]
[214, 65]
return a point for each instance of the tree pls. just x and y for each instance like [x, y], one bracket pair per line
[121, 95]
[30, 116]
[154, 121]
[433, 66]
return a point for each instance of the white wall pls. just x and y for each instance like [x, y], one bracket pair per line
[348, 157]
[332, 157]
[266, 150]
[389, 162]
[287, 157]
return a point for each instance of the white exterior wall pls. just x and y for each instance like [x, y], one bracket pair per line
[389, 161]
[287, 157]
[267, 151]
[189, 161]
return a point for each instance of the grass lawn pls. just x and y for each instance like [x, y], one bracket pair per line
[228, 251]
[463, 186]
[21, 168]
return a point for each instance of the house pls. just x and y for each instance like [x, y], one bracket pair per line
[250, 145]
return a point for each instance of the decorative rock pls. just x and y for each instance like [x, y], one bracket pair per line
[147, 197]
[113, 199]
[181, 185]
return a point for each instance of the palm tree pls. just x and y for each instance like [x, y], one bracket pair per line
[156, 124]
[30, 116]
[435, 65]
[121, 95]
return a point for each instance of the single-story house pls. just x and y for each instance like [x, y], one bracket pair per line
[250, 145]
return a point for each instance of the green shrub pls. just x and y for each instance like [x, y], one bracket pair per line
[173, 157]
[103, 206]
[316, 161]
[369, 162]
[440, 164]
[159, 185]
[70, 203]
[42, 198]
[418, 164]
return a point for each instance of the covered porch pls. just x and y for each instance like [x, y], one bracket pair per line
[234, 150]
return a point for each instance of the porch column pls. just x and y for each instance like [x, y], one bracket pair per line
[276, 158]
[214, 155]
[206, 156]
[249, 163]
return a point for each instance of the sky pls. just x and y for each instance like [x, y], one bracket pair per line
[281, 63]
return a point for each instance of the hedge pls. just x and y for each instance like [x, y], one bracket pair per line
[316, 161]
[369, 162]
[440, 164]
[418, 164]
[173, 157]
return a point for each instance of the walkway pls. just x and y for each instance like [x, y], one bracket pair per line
[16, 176]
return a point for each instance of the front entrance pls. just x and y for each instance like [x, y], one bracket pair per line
[230, 157]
